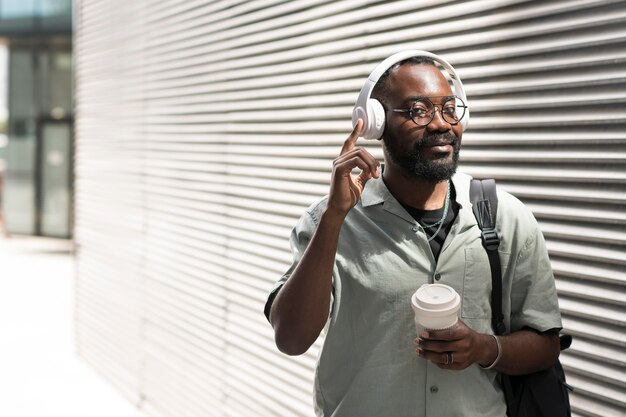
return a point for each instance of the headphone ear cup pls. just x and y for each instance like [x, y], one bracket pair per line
[360, 113]
[375, 120]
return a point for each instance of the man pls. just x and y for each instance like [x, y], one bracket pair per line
[361, 252]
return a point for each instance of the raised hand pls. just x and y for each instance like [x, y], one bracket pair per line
[345, 188]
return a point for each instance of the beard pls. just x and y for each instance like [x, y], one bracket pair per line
[415, 163]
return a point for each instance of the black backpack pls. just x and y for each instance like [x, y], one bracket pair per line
[540, 394]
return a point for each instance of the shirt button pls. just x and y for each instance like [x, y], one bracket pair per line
[415, 228]
[437, 276]
[434, 389]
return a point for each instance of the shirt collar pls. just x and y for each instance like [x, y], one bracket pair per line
[461, 184]
[376, 192]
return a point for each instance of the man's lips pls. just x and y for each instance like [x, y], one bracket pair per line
[441, 147]
[438, 144]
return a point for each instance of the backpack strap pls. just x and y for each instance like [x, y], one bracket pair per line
[520, 392]
[485, 206]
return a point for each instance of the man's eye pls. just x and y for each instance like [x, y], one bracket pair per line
[420, 111]
[450, 110]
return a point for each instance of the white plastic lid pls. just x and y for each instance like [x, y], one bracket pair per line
[438, 297]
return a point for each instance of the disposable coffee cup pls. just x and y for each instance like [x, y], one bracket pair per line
[435, 307]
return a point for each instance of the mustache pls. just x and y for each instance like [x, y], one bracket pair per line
[435, 138]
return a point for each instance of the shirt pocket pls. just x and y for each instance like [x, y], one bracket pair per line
[476, 301]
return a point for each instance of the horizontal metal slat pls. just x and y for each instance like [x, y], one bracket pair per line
[179, 10]
[565, 192]
[184, 251]
[611, 376]
[586, 252]
[252, 235]
[202, 293]
[287, 29]
[167, 336]
[293, 49]
[109, 369]
[477, 137]
[589, 272]
[209, 19]
[596, 292]
[298, 380]
[166, 315]
[283, 223]
[602, 333]
[602, 313]
[563, 98]
[602, 353]
[207, 278]
[568, 212]
[585, 233]
[544, 157]
[176, 395]
[539, 64]
[595, 389]
[589, 408]
[244, 391]
[531, 174]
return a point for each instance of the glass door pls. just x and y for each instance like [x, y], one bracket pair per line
[55, 177]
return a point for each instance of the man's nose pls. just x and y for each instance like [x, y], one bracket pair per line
[438, 123]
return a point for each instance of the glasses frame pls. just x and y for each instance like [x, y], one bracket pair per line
[436, 107]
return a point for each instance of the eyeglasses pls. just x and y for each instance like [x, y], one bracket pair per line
[422, 112]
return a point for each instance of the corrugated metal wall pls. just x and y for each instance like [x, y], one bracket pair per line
[205, 127]
[110, 195]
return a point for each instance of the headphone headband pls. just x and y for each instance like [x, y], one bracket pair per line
[372, 112]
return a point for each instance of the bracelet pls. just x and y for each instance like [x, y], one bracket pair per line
[498, 354]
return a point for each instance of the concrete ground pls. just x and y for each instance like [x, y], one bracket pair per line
[40, 374]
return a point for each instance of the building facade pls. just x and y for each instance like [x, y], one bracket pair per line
[36, 193]
[204, 128]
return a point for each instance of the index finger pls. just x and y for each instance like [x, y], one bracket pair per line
[443, 335]
[348, 145]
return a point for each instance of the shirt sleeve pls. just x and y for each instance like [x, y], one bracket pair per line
[299, 239]
[534, 301]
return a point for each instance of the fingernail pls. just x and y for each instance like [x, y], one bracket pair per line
[424, 335]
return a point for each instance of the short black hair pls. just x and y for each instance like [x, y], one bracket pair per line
[381, 89]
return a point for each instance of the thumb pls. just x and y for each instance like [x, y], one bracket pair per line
[365, 176]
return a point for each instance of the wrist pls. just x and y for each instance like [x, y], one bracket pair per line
[493, 352]
[332, 217]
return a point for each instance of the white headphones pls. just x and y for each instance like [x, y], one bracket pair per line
[372, 111]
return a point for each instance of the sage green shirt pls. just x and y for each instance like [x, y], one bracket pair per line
[368, 366]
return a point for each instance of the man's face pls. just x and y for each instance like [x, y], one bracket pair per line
[428, 152]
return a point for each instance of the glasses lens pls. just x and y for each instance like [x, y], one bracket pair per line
[422, 112]
[453, 110]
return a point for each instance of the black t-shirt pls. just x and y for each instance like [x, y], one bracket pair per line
[432, 216]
